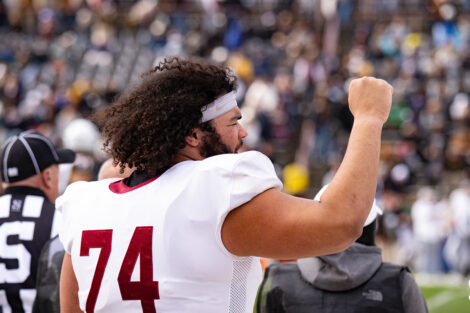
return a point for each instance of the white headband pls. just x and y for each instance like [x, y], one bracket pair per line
[219, 106]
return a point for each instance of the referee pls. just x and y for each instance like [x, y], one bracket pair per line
[29, 169]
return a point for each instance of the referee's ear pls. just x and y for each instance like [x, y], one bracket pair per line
[46, 176]
[49, 182]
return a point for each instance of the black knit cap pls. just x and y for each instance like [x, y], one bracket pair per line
[28, 154]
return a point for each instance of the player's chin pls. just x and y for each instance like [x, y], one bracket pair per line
[239, 146]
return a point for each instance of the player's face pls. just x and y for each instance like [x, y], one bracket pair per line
[228, 136]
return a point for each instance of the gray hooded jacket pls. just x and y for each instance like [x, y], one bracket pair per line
[353, 267]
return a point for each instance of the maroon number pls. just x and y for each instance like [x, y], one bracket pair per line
[96, 239]
[145, 290]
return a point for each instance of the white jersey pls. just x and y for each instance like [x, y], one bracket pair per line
[157, 247]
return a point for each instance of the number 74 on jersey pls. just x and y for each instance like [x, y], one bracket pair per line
[145, 290]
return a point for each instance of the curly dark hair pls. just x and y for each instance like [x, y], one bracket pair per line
[147, 125]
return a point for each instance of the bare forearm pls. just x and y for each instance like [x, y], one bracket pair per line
[356, 180]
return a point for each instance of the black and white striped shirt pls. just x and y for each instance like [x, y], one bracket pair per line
[27, 222]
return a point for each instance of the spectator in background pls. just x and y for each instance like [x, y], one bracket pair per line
[27, 213]
[460, 206]
[429, 231]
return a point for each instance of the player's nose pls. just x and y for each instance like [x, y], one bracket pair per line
[242, 133]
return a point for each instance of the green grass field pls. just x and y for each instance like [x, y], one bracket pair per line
[447, 299]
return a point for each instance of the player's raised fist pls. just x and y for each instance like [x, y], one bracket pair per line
[370, 98]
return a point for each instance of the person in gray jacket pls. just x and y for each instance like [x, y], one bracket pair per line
[355, 280]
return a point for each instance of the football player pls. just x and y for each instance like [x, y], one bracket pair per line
[182, 232]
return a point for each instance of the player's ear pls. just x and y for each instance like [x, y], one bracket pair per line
[194, 139]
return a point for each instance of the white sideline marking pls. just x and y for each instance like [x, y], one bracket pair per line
[441, 299]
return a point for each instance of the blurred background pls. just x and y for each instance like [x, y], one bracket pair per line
[61, 61]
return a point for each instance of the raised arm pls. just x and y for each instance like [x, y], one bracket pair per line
[278, 225]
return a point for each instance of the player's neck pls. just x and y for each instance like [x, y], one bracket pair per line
[187, 154]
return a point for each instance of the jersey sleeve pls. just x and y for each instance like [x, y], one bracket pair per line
[251, 175]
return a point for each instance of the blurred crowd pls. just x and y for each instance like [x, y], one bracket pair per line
[61, 61]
